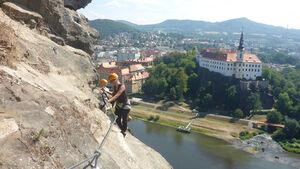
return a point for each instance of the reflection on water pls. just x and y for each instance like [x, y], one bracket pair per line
[194, 151]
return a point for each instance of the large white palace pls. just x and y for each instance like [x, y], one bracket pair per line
[237, 63]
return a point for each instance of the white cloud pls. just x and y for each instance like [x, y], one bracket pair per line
[114, 3]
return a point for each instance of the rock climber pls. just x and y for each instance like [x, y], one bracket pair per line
[103, 94]
[119, 96]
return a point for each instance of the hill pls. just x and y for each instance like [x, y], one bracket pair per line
[107, 27]
[229, 27]
[127, 23]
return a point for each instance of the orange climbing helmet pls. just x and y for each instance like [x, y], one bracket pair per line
[112, 77]
[103, 82]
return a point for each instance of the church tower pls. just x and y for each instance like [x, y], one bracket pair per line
[240, 58]
[240, 52]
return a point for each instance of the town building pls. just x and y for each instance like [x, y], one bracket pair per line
[146, 62]
[237, 63]
[107, 68]
[150, 53]
[132, 73]
[135, 82]
[129, 53]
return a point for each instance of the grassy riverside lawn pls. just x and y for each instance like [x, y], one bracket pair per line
[220, 129]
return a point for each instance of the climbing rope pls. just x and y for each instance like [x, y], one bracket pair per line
[93, 159]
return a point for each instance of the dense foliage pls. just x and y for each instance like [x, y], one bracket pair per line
[286, 90]
[274, 117]
[169, 78]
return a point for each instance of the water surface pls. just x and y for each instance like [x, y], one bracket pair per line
[196, 151]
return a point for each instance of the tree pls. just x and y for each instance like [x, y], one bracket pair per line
[298, 66]
[160, 71]
[254, 103]
[274, 117]
[173, 93]
[266, 73]
[195, 50]
[238, 113]
[189, 67]
[279, 135]
[207, 101]
[181, 83]
[296, 112]
[193, 84]
[284, 104]
[155, 87]
[231, 97]
[291, 128]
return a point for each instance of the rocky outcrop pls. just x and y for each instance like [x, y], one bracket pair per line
[61, 21]
[75, 4]
[22, 14]
[49, 117]
[264, 147]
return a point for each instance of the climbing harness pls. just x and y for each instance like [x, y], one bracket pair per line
[93, 159]
[104, 100]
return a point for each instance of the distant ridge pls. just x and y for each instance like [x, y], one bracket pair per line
[127, 23]
[255, 30]
[108, 27]
[229, 26]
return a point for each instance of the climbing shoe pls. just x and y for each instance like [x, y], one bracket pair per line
[124, 134]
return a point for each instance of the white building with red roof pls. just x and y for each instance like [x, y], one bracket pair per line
[237, 63]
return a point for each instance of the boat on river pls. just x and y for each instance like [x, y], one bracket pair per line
[185, 129]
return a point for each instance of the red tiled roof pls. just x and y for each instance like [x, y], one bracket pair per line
[228, 55]
[109, 64]
[124, 71]
[138, 76]
[148, 53]
[144, 60]
[118, 71]
[136, 67]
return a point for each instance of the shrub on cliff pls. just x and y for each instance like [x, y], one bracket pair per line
[238, 113]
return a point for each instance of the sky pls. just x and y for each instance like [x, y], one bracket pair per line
[285, 13]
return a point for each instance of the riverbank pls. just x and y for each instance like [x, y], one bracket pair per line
[219, 128]
[194, 151]
[211, 125]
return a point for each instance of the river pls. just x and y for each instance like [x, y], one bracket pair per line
[196, 151]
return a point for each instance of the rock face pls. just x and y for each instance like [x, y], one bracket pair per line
[49, 116]
[61, 21]
[76, 4]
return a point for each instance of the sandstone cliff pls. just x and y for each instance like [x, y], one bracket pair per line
[49, 117]
[55, 19]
